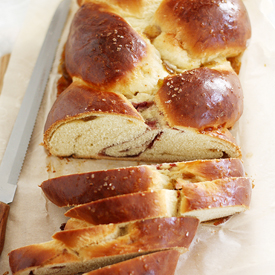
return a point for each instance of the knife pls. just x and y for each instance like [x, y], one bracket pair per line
[18, 143]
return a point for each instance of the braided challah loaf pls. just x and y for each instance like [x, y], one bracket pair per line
[150, 80]
[154, 81]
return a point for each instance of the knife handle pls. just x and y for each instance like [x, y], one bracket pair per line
[4, 213]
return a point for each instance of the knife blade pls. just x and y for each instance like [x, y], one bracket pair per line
[18, 143]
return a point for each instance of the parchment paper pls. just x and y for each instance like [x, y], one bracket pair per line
[242, 245]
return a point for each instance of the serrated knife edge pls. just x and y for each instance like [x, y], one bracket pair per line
[18, 143]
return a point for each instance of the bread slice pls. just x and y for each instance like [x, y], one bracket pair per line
[161, 263]
[85, 249]
[205, 200]
[128, 105]
[82, 188]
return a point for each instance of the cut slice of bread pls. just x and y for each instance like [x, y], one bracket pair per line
[205, 200]
[82, 188]
[86, 249]
[160, 263]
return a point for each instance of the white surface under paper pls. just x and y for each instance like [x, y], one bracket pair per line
[244, 244]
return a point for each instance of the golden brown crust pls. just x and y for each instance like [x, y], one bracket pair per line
[86, 187]
[65, 80]
[206, 27]
[203, 105]
[156, 234]
[102, 48]
[201, 98]
[35, 255]
[77, 238]
[221, 193]
[82, 188]
[124, 208]
[223, 134]
[220, 168]
[82, 250]
[80, 101]
[140, 236]
[75, 224]
[206, 170]
[161, 263]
